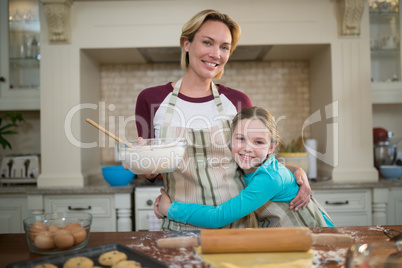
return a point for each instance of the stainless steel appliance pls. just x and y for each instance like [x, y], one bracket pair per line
[20, 169]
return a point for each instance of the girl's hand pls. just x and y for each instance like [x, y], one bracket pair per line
[164, 203]
[303, 196]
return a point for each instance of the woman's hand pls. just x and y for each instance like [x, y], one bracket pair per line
[156, 208]
[303, 196]
[164, 203]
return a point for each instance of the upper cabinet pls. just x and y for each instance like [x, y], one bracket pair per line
[19, 55]
[385, 29]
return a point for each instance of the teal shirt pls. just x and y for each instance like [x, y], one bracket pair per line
[271, 181]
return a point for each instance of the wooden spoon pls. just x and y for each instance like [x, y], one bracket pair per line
[108, 133]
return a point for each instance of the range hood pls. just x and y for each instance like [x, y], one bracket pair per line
[172, 54]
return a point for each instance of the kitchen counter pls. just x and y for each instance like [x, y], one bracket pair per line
[13, 247]
[100, 186]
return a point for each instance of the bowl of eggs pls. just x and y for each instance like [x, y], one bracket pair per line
[57, 232]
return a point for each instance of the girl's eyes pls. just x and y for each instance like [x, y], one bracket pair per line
[240, 138]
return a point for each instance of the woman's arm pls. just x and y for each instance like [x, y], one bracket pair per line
[256, 194]
[303, 196]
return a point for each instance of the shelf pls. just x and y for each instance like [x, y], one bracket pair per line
[377, 18]
[386, 92]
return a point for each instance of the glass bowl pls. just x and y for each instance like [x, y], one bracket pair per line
[57, 232]
[150, 156]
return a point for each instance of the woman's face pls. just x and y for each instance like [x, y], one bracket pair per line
[251, 143]
[210, 49]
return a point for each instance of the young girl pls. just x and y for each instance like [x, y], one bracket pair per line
[269, 185]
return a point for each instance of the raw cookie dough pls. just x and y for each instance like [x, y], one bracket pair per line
[111, 257]
[259, 260]
[79, 262]
[127, 264]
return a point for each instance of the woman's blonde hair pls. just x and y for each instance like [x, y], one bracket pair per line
[194, 24]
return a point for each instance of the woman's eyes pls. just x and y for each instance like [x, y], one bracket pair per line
[209, 43]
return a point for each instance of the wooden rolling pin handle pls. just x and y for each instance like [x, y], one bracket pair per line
[332, 239]
[178, 242]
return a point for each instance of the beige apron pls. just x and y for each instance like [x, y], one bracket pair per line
[208, 173]
[278, 214]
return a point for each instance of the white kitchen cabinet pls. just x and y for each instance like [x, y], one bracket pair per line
[144, 199]
[111, 212]
[13, 210]
[19, 55]
[100, 206]
[347, 207]
[394, 213]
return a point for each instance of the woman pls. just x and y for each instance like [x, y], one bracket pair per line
[200, 111]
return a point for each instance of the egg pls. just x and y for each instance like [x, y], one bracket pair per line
[53, 229]
[72, 226]
[79, 233]
[79, 236]
[36, 228]
[44, 240]
[63, 239]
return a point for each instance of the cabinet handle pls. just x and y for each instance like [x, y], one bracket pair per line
[2, 79]
[79, 208]
[149, 202]
[339, 203]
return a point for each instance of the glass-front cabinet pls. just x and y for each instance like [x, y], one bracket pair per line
[20, 55]
[385, 37]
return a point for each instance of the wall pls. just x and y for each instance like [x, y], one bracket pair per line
[27, 141]
[282, 87]
[125, 24]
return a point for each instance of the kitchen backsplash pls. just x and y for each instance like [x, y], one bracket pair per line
[282, 87]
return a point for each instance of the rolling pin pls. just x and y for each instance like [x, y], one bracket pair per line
[255, 240]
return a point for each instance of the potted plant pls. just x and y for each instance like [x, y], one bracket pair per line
[8, 121]
[294, 154]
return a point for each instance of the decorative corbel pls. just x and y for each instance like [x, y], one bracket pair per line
[351, 15]
[57, 14]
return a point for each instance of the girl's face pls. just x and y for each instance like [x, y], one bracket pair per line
[251, 143]
[210, 49]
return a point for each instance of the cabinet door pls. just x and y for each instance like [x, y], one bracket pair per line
[144, 208]
[100, 206]
[13, 210]
[19, 55]
[346, 207]
[395, 207]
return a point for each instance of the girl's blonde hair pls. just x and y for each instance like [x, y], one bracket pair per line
[265, 117]
[259, 113]
[194, 24]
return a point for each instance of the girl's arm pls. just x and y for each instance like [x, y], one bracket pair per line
[257, 193]
[303, 196]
